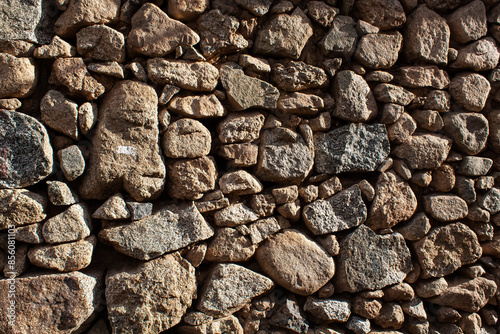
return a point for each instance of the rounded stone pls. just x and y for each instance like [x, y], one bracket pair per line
[186, 138]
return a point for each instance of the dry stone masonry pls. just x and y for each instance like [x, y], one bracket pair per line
[250, 166]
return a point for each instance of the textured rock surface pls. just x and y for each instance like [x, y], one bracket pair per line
[20, 76]
[21, 207]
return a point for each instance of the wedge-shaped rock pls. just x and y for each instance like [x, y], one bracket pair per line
[368, 261]
[55, 303]
[353, 147]
[447, 248]
[150, 297]
[154, 34]
[125, 153]
[339, 212]
[170, 228]
[20, 207]
[70, 225]
[234, 215]
[114, 208]
[229, 287]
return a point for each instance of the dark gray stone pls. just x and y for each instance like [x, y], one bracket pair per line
[288, 314]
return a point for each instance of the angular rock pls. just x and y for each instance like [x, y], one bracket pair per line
[70, 225]
[36, 309]
[87, 116]
[422, 76]
[431, 287]
[56, 49]
[368, 261]
[389, 93]
[101, 43]
[394, 202]
[469, 131]
[403, 128]
[354, 99]
[197, 76]
[20, 207]
[241, 127]
[284, 35]
[80, 14]
[426, 36]
[253, 64]
[117, 160]
[379, 51]
[240, 155]
[186, 138]
[468, 23]
[114, 208]
[60, 113]
[300, 104]
[341, 40]
[229, 245]
[150, 297]
[234, 215]
[424, 151]
[19, 76]
[385, 14]
[391, 316]
[239, 183]
[328, 310]
[26, 156]
[321, 13]
[334, 154]
[288, 315]
[294, 76]
[80, 82]
[229, 287]
[170, 228]
[186, 10]
[470, 90]
[256, 7]
[30, 234]
[438, 100]
[491, 201]
[447, 248]
[197, 106]
[154, 34]
[284, 157]
[445, 208]
[295, 262]
[244, 92]
[139, 210]
[264, 228]
[63, 257]
[474, 166]
[340, 212]
[190, 178]
[478, 56]
[71, 161]
[60, 194]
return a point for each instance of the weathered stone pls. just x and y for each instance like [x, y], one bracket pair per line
[64, 257]
[70, 225]
[71, 162]
[117, 160]
[294, 76]
[186, 10]
[239, 183]
[431, 287]
[10, 104]
[470, 90]
[391, 316]
[56, 49]
[321, 13]
[401, 129]
[438, 100]
[491, 201]
[112, 69]
[190, 178]
[36, 309]
[240, 155]
[333, 153]
[20, 207]
[385, 14]
[284, 35]
[264, 228]
[300, 104]
[288, 315]
[186, 138]
[474, 166]
[391, 113]
[139, 210]
[150, 297]
[284, 157]
[358, 253]
[389, 93]
[197, 106]
[229, 245]
[246, 92]
[30, 234]
[253, 64]
[469, 131]
[26, 156]
[80, 14]
[328, 310]
[445, 208]
[426, 37]
[234, 215]
[219, 34]
[170, 228]
[428, 119]
[379, 51]
[197, 76]
[263, 204]
[60, 113]
[468, 23]
[19, 75]
[60, 194]
[101, 43]
[354, 99]
[114, 208]
[341, 40]
[358, 325]
[154, 34]
[424, 151]
[467, 295]
[447, 248]
[241, 127]
[80, 82]
[87, 116]
[295, 262]
[340, 212]
[256, 7]
[394, 202]
[229, 287]
[478, 56]
[494, 133]
[422, 76]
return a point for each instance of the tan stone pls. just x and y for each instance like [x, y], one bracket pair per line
[197, 106]
[19, 76]
[186, 138]
[190, 178]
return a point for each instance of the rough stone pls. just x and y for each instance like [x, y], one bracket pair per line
[139, 210]
[294, 76]
[150, 297]
[389, 93]
[60, 194]
[445, 208]
[379, 51]
[288, 315]
[234, 215]
[438, 100]
[229, 287]
[470, 90]
[468, 23]
[300, 104]
[328, 310]
[474, 166]
[56, 49]
[491, 200]
[190, 178]
[341, 40]
[494, 130]
[170, 228]
[113, 209]
[240, 155]
[424, 151]
[197, 106]
[321, 13]
[71, 161]
[26, 157]
[368, 261]
[295, 262]
[422, 76]
[87, 116]
[186, 10]
[101, 43]
[391, 316]
[469, 131]
[385, 14]
[256, 7]
[481, 55]
[186, 138]
[241, 127]
[403, 128]
[70, 225]
[30, 234]
[20, 207]
[60, 113]
[229, 245]
[19, 75]
[239, 183]
[334, 154]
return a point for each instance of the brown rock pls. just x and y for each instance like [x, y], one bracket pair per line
[229, 245]
[294, 76]
[240, 127]
[422, 76]
[445, 208]
[443, 178]
[70, 225]
[239, 183]
[56, 49]
[20, 207]
[186, 138]
[235, 215]
[19, 75]
[240, 155]
[379, 51]
[401, 129]
[154, 34]
[120, 161]
[186, 10]
[190, 178]
[431, 287]
[367, 308]
[481, 55]
[87, 116]
[470, 90]
[101, 42]
[300, 104]
[114, 208]
[60, 113]
[423, 151]
[494, 130]
[385, 14]
[321, 13]
[468, 23]
[296, 262]
[197, 106]
[391, 316]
